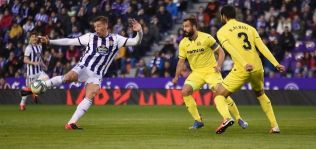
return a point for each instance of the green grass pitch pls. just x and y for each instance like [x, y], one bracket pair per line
[41, 126]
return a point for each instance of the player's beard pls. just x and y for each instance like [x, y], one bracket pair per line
[188, 34]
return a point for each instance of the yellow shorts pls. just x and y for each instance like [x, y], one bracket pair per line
[234, 80]
[197, 79]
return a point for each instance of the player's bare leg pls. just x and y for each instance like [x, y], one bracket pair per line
[27, 91]
[268, 110]
[190, 103]
[91, 91]
[24, 93]
[220, 95]
[71, 76]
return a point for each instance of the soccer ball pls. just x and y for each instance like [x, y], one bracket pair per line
[38, 87]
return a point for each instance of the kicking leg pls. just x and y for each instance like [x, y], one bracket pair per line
[71, 76]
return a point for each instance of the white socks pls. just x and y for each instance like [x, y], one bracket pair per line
[81, 110]
[23, 100]
[55, 81]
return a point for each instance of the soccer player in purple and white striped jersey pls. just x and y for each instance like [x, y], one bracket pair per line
[101, 49]
[34, 65]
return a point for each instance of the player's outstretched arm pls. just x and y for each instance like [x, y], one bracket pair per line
[221, 56]
[27, 60]
[139, 36]
[179, 68]
[266, 53]
[82, 40]
[65, 42]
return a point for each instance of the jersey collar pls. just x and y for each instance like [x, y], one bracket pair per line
[196, 36]
[231, 20]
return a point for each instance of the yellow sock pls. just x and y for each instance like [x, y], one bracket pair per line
[267, 108]
[222, 107]
[232, 108]
[192, 108]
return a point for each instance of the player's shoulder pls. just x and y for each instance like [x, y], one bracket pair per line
[28, 47]
[87, 35]
[114, 35]
[247, 25]
[252, 31]
[117, 37]
[183, 41]
[222, 30]
[205, 35]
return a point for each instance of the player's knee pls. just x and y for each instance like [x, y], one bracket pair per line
[70, 77]
[220, 90]
[67, 77]
[259, 93]
[92, 90]
[45, 78]
[92, 93]
[186, 92]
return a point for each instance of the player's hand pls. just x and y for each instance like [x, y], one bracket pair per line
[175, 80]
[249, 67]
[217, 68]
[280, 68]
[135, 25]
[44, 39]
[43, 65]
[36, 63]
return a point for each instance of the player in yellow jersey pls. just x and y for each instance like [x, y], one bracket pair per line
[199, 48]
[241, 40]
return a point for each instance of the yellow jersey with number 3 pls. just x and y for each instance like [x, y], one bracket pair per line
[241, 38]
[199, 52]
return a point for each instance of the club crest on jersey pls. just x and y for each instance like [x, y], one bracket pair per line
[38, 54]
[103, 50]
[198, 43]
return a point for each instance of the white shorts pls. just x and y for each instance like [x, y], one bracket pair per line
[40, 76]
[86, 75]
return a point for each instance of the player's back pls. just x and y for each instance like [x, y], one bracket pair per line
[242, 37]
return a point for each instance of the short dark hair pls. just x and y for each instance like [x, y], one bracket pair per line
[34, 32]
[101, 18]
[192, 20]
[228, 11]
